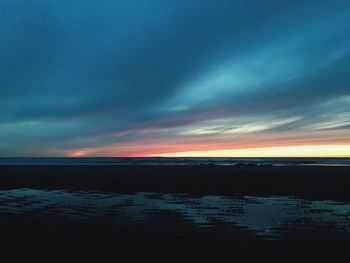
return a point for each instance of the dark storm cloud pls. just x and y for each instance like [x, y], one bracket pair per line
[73, 73]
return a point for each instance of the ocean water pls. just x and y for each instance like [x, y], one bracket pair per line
[266, 217]
[175, 161]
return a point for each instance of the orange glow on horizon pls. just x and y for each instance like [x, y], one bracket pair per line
[335, 143]
[329, 150]
[78, 153]
[280, 151]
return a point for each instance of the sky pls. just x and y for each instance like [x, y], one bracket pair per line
[174, 78]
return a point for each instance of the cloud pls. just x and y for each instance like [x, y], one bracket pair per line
[86, 75]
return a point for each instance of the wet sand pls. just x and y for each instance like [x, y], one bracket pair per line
[167, 234]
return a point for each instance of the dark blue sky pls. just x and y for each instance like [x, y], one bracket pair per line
[144, 77]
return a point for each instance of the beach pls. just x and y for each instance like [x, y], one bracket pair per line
[282, 212]
[312, 182]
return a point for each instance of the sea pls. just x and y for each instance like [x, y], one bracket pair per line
[174, 161]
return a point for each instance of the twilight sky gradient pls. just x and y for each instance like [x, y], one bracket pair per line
[174, 78]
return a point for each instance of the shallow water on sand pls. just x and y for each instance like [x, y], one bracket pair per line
[266, 217]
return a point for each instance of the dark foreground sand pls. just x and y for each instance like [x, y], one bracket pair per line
[305, 181]
[164, 240]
